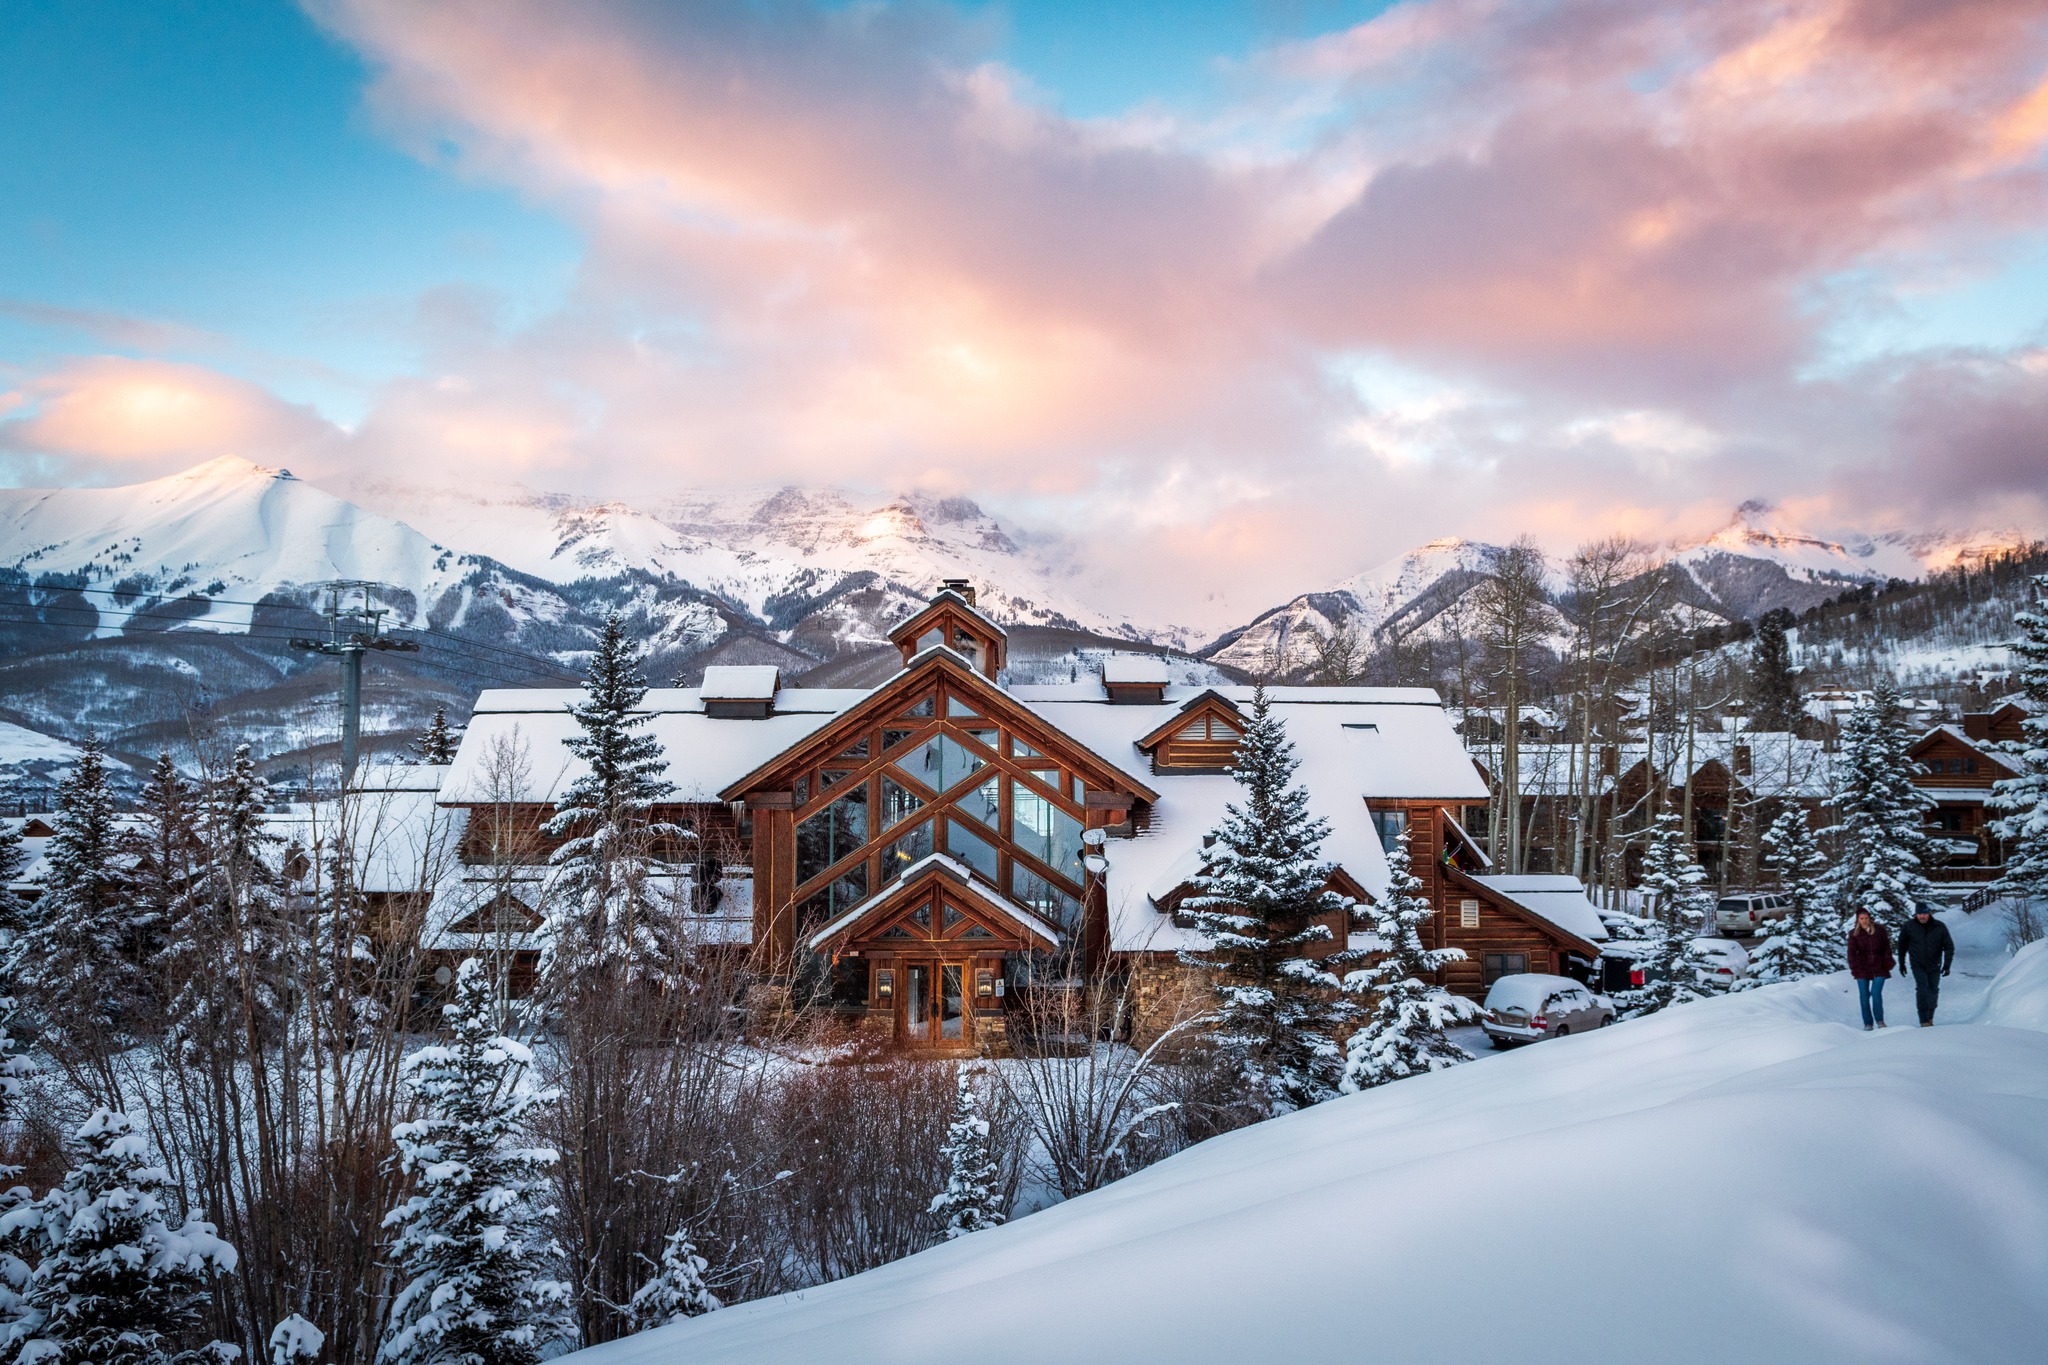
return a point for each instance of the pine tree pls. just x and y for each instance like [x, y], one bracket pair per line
[295, 1342]
[1877, 814]
[1773, 682]
[114, 1283]
[436, 743]
[13, 862]
[15, 1070]
[165, 860]
[237, 908]
[971, 1201]
[2023, 800]
[1260, 903]
[1810, 941]
[605, 915]
[677, 1289]
[68, 962]
[471, 1241]
[1404, 1030]
[1674, 887]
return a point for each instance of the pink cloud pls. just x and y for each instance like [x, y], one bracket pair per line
[845, 245]
[114, 411]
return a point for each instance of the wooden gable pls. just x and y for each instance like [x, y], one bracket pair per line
[921, 701]
[1201, 737]
[951, 621]
[1952, 761]
[504, 913]
[936, 909]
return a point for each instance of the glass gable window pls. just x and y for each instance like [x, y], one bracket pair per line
[915, 844]
[1045, 831]
[963, 843]
[1029, 889]
[832, 833]
[940, 762]
[832, 900]
[957, 707]
[984, 803]
[899, 803]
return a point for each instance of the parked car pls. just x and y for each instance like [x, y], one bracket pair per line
[1720, 962]
[1747, 912]
[1527, 1007]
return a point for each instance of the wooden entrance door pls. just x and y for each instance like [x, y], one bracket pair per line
[935, 1004]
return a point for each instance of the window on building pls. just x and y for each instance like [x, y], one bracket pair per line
[1392, 825]
[1045, 831]
[832, 833]
[1497, 965]
[1029, 889]
[940, 762]
[969, 847]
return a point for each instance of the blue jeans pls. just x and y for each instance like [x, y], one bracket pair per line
[1870, 995]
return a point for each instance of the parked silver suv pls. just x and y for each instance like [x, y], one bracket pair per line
[1528, 1007]
[1746, 912]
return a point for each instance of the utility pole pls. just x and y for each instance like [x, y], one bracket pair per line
[354, 627]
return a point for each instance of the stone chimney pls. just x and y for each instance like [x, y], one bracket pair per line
[960, 586]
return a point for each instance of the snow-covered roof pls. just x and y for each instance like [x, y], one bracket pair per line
[1356, 744]
[470, 889]
[740, 682]
[1136, 668]
[1559, 900]
[402, 840]
[704, 753]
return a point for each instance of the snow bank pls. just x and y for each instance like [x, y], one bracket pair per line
[2019, 997]
[1750, 1178]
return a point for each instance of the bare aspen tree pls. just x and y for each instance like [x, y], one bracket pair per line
[1510, 606]
[1615, 595]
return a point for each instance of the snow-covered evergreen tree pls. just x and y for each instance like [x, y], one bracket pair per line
[1810, 940]
[295, 1342]
[13, 862]
[238, 907]
[471, 1241]
[436, 743]
[2023, 801]
[15, 1070]
[677, 1289]
[1404, 1029]
[604, 915]
[114, 1283]
[1773, 681]
[165, 860]
[69, 962]
[1261, 903]
[1674, 892]
[971, 1201]
[1877, 814]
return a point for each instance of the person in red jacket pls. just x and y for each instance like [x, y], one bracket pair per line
[1870, 962]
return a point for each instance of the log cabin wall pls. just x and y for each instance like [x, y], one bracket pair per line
[1499, 932]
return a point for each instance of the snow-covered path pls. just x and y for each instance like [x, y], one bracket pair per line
[1751, 1179]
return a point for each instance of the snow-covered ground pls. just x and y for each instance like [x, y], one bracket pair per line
[1752, 1178]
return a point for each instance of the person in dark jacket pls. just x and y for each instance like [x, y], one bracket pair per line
[1925, 946]
[1870, 962]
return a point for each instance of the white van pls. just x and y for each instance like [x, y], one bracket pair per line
[1746, 913]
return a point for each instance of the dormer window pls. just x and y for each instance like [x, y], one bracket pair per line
[1204, 744]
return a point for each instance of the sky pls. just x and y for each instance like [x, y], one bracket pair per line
[1222, 301]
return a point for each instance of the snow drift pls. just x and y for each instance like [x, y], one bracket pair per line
[1748, 1179]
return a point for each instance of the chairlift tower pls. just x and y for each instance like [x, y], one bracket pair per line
[355, 626]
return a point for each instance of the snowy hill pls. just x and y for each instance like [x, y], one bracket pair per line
[123, 609]
[1397, 597]
[1739, 572]
[1746, 1179]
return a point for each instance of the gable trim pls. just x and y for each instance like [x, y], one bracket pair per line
[916, 879]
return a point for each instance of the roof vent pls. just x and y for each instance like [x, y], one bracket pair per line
[740, 691]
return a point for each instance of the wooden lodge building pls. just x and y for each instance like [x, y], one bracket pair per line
[930, 850]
